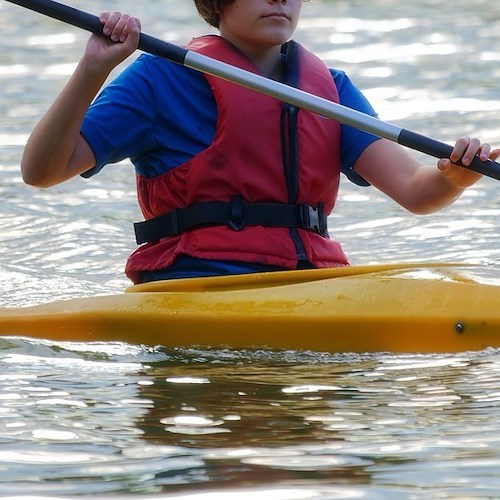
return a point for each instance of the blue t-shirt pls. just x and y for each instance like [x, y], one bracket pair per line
[160, 115]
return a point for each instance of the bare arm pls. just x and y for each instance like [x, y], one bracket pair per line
[55, 150]
[420, 188]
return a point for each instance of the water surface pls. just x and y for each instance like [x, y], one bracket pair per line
[119, 419]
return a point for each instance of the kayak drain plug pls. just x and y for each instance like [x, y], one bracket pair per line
[460, 327]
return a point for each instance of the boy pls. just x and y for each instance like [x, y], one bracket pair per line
[229, 181]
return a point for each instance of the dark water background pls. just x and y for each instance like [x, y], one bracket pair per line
[100, 419]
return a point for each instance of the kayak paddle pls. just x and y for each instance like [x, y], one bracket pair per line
[264, 85]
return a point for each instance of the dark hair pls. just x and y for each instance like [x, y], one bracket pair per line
[210, 10]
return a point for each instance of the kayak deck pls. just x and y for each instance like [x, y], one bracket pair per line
[397, 308]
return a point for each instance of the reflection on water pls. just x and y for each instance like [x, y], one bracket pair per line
[114, 418]
[153, 421]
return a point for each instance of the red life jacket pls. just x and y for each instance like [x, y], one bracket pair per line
[264, 151]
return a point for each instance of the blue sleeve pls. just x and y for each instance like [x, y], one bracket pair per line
[353, 140]
[118, 123]
[157, 113]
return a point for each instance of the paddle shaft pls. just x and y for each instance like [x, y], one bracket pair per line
[264, 85]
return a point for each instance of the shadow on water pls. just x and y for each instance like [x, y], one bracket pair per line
[344, 419]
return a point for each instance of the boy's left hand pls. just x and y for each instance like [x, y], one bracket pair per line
[465, 150]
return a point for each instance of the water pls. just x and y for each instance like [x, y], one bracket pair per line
[119, 419]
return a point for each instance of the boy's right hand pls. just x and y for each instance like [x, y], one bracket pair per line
[122, 38]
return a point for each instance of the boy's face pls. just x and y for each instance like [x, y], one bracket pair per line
[259, 23]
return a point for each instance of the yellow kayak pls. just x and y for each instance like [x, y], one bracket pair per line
[397, 308]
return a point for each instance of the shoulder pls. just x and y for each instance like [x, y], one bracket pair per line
[153, 68]
[165, 75]
[154, 82]
[342, 81]
[349, 94]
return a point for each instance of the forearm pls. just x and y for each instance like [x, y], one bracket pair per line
[53, 142]
[56, 151]
[436, 188]
[429, 191]
[421, 189]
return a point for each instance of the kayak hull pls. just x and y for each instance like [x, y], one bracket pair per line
[398, 308]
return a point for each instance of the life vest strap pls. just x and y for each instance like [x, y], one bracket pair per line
[236, 214]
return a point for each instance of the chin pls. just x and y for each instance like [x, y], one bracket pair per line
[273, 39]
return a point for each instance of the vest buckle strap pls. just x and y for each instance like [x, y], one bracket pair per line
[235, 214]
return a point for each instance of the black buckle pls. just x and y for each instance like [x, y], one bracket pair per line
[310, 217]
[313, 218]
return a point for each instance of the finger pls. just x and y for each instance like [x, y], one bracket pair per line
[131, 33]
[119, 33]
[110, 26]
[108, 21]
[471, 151]
[137, 22]
[495, 154]
[126, 29]
[103, 17]
[444, 164]
[484, 152]
[459, 149]
[133, 26]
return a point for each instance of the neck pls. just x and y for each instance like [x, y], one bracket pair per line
[269, 63]
[268, 60]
